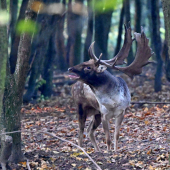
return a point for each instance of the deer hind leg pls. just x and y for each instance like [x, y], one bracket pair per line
[118, 121]
[82, 120]
[105, 122]
[91, 129]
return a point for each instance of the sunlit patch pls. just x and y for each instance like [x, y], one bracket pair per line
[4, 17]
[79, 8]
[51, 9]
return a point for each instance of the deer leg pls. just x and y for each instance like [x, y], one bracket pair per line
[93, 126]
[105, 123]
[82, 120]
[118, 121]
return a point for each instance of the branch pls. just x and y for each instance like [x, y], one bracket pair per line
[53, 135]
[147, 102]
[28, 166]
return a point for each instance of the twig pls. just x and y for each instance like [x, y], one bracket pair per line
[147, 102]
[28, 166]
[53, 135]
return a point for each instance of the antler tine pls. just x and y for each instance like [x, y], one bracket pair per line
[144, 52]
[91, 53]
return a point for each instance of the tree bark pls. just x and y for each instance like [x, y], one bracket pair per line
[15, 39]
[128, 19]
[60, 46]
[89, 36]
[120, 30]
[102, 28]
[156, 39]
[74, 27]
[166, 11]
[138, 15]
[47, 74]
[15, 85]
[6, 141]
[39, 50]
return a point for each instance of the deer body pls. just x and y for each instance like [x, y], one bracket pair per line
[99, 94]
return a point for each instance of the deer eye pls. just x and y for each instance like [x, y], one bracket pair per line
[88, 68]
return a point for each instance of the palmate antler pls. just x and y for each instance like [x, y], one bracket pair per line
[144, 52]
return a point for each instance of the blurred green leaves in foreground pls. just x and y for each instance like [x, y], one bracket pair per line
[107, 5]
[4, 17]
[27, 26]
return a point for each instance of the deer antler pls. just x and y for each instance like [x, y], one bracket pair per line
[123, 53]
[144, 52]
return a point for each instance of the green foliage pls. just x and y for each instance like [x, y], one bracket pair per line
[42, 98]
[4, 17]
[40, 83]
[107, 5]
[27, 26]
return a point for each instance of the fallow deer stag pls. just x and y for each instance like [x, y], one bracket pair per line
[99, 94]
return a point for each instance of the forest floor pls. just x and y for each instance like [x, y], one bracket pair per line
[144, 136]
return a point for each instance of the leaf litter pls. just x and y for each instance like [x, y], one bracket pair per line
[144, 141]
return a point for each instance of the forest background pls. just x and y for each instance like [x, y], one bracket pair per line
[40, 39]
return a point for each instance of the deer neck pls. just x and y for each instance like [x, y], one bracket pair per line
[103, 81]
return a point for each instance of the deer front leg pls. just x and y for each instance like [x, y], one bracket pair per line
[105, 123]
[92, 127]
[82, 120]
[118, 121]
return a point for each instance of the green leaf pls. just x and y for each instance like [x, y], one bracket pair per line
[27, 26]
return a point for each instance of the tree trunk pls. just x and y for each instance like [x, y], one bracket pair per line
[39, 50]
[120, 30]
[60, 46]
[6, 141]
[128, 19]
[138, 15]
[47, 74]
[89, 36]
[75, 26]
[102, 28]
[16, 38]
[156, 39]
[15, 85]
[166, 11]
[13, 12]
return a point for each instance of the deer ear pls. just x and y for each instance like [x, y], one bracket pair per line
[101, 68]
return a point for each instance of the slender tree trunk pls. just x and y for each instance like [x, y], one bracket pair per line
[156, 39]
[6, 141]
[166, 49]
[47, 74]
[120, 30]
[60, 46]
[16, 38]
[128, 19]
[3, 56]
[138, 15]
[89, 31]
[75, 26]
[13, 12]
[102, 28]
